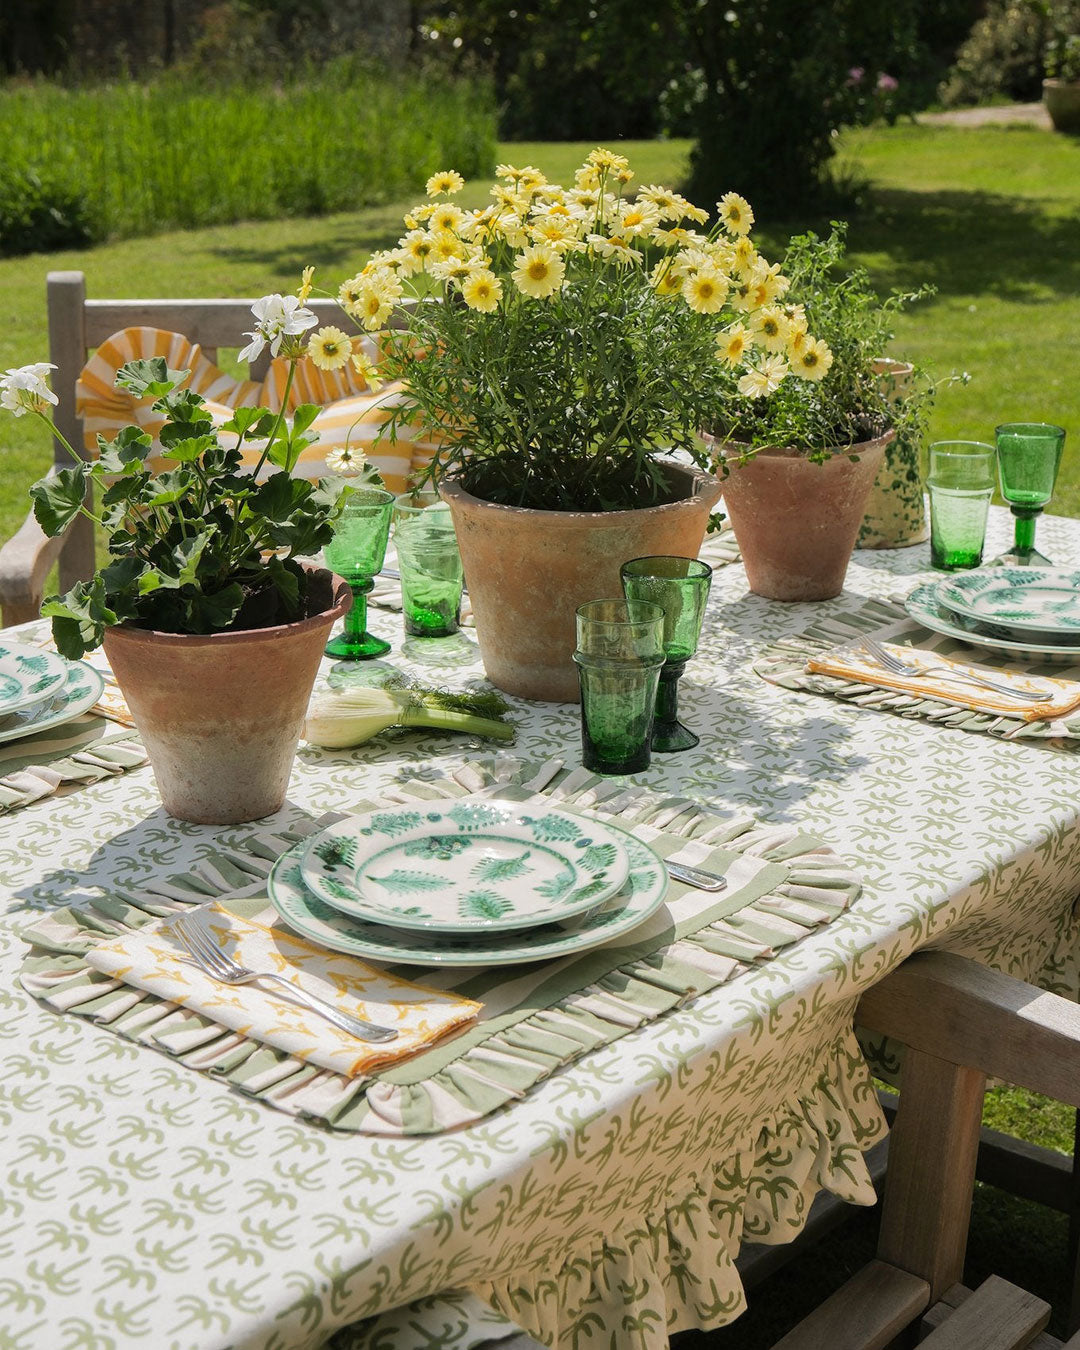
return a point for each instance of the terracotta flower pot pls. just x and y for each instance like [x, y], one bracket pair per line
[528, 571]
[895, 510]
[796, 522]
[220, 715]
[1062, 99]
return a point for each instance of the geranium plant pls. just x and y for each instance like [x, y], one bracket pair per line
[205, 545]
[580, 331]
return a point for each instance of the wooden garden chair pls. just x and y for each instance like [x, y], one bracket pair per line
[76, 327]
[961, 1024]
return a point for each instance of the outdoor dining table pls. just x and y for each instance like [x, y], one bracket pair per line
[145, 1203]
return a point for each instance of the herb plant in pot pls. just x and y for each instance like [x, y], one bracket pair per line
[213, 626]
[576, 339]
[800, 462]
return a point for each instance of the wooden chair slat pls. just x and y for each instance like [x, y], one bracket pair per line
[866, 1313]
[998, 1316]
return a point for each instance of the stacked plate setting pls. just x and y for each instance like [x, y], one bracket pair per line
[1027, 612]
[472, 882]
[39, 690]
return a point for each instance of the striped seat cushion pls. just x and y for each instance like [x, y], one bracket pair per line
[352, 413]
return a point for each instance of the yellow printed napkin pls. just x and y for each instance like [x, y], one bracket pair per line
[846, 663]
[156, 960]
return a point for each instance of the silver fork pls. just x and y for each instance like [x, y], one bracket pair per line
[208, 956]
[899, 667]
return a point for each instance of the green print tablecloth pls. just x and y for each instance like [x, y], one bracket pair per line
[147, 1205]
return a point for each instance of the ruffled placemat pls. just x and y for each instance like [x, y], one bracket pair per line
[84, 750]
[784, 663]
[782, 885]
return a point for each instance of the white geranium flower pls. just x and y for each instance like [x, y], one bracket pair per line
[276, 317]
[25, 389]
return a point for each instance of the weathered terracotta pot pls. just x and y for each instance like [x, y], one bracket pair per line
[895, 510]
[796, 522]
[1062, 99]
[528, 571]
[221, 715]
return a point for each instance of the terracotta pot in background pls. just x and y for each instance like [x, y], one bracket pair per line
[220, 715]
[796, 522]
[896, 509]
[1062, 99]
[528, 571]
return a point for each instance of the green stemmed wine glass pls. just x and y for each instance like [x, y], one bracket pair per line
[356, 552]
[680, 586]
[1028, 456]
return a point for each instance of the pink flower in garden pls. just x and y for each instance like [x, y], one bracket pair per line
[887, 83]
[854, 76]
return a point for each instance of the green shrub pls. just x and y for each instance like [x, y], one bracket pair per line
[1003, 56]
[39, 211]
[182, 153]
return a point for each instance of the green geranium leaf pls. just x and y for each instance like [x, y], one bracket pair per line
[279, 496]
[125, 454]
[303, 417]
[243, 419]
[287, 581]
[209, 612]
[149, 378]
[191, 448]
[171, 487]
[187, 556]
[79, 618]
[149, 581]
[58, 498]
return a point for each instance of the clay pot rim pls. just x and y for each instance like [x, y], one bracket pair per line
[793, 454]
[451, 488]
[340, 591]
[890, 365]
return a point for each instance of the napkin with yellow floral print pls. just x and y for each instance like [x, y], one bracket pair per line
[1062, 697]
[155, 959]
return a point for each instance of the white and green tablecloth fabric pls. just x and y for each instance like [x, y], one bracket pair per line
[147, 1205]
[80, 751]
[782, 885]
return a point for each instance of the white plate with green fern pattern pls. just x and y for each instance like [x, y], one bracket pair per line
[466, 866]
[1026, 600]
[82, 689]
[28, 676]
[639, 897]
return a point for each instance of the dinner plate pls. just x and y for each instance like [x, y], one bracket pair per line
[465, 866]
[923, 604]
[1034, 603]
[640, 896]
[82, 688]
[28, 676]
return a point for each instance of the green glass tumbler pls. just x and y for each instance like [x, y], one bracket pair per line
[356, 552]
[961, 483]
[680, 586]
[619, 655]
[430, 565]
[1028, 458]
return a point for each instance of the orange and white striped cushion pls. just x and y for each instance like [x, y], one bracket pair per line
[352, 415]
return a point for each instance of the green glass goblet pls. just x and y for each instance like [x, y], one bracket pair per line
[619, 655]
[1028, 456]
[680, 586]
[356, 552]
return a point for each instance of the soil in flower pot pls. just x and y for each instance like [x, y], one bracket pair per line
[795, 521]
[221, 714]
[527, 572]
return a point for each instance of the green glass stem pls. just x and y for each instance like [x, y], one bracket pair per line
[669, 735]
[1024, 529]
[355, 643]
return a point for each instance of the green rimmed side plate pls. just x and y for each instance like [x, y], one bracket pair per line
[28, 676]
[640, 896]
[1036, 604]
[466, 866]
[923, 604]
[82, 688]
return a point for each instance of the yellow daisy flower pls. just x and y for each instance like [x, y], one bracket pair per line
[330, 348]
[445, 246]
[705, 290]
[637, 218]
[539, 271]
[561, 232]
[769, 329]
[813, 361]
[666, 282]
[665, 201]
[529, 179]
[732, 344]
[365, 367]
[678, 237]
[483, 291]
[735, 212]
[744, 256]
[606, 159]
[587, 178]
[305, 284]
[446, 216]
[349, 295]
[507, 171]
[623, 175]
[616, 249]
[457, 270]
[417, 249]
[762, 380]
[448, 181]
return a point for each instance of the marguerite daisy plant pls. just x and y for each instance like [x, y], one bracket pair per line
[582, 329]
